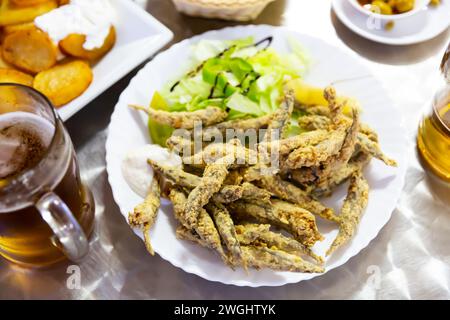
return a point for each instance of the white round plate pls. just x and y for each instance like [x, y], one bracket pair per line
[128, 130]
[424, 26]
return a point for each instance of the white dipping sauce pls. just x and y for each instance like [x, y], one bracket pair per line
[138, 173]
[92, 18]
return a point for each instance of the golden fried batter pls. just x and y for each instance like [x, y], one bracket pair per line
[281, 117]
[180, 145]
[250, 192]
[286, 146]
[238, 125]
[252, 233]
[262, 257]
[210, 183]
[204, 227]
[297, 221]
[371, 147]
[213, 152]
[326, 187]
[352, 210]
[144, 214]
[184, 119]
[336, 162]
[226, 229]
[316, 154]
[287, 191]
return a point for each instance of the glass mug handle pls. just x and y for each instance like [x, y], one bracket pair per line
[445, 64]
[71, 237]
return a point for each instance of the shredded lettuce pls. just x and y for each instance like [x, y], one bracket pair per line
[241, 103]
[159, 133]
[235, 75]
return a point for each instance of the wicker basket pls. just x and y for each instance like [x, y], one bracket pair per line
[237, 10]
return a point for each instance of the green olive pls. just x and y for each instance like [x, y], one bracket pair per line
[379, 6]
[404, 5]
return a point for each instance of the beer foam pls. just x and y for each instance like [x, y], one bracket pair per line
[13, 153]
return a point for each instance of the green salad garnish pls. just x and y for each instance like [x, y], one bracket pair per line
[241, 76]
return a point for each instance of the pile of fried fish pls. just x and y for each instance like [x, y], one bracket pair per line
[255, 216]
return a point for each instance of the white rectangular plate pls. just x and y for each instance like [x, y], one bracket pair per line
[139, 35]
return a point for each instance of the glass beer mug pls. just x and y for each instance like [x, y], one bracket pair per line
[46, 213]
[433, 139]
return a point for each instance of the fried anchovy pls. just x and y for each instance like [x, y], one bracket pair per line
[215, 151]
[180, 145]
[319, 122]
[251, 233]
[251, 192]
[285, 146]
[228, 194]
[178, 199]
[355, 164]
[314, 155]
[207, 231]
[352, 210]
[367, 137]
[299, 222]
[176, 174]
[259, 211]
[234, 177]
[189, 181]
[204, 227]
[184, 233]
[368, 131]
[226, 229]
[287, 191]
[334, 167]
[334, 105]
[210, 183]
[372, 148]
[313, 122]
[336, 162]
[302, 222]
[144, 214]
[314, 110]
[281, 117]
[185, 120]
[261, 257]
[219, 130]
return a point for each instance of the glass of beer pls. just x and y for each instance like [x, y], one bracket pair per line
[433, 139]
[46, 213]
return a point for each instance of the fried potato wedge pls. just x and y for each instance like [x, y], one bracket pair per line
[73, 45]
[3, 63]
[64, 82]
[18, 27]
[30, 50]
[15, 76]
[27, 3]
[10, 14]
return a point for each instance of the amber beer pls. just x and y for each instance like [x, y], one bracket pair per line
[46, 213]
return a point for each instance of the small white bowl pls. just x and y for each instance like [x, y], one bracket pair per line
[418, 6]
